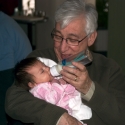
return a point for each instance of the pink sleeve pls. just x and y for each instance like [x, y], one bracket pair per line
[48, 92]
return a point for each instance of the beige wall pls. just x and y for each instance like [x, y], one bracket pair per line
[91, 1]
[43, 38]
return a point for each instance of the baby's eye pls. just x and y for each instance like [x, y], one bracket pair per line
[42, 71]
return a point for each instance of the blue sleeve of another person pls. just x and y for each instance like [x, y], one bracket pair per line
[14, 44]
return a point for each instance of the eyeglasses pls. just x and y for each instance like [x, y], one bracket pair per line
[69, 41]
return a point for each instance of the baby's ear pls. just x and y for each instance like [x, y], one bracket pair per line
[31, 85]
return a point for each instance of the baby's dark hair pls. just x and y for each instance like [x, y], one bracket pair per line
[22, 77]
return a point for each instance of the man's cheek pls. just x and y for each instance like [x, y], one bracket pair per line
[56, 45]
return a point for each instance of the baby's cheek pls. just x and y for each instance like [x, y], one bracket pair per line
[51, 78]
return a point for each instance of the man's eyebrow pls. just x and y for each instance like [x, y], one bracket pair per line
[71, 34]
[57, 31]
[74, 35]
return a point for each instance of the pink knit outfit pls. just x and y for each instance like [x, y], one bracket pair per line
[64, 95]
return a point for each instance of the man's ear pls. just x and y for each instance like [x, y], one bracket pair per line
[92, 38]
[31, 85]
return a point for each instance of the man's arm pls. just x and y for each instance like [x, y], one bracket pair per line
[108, 100]
[21, 105]
[66, 119]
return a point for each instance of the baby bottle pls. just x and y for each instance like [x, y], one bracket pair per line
[83, 57]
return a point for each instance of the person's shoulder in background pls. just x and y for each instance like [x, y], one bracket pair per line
[14, 44]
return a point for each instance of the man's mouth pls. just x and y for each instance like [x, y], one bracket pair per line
[65, 56]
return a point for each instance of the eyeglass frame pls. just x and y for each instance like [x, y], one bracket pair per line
[52, 35]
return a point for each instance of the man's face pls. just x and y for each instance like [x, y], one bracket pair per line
[75, 30]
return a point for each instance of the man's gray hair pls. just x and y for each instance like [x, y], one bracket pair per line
[72, 9]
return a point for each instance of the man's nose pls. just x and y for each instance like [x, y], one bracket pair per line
[63, 46]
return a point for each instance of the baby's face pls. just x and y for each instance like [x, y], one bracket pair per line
[41, 73]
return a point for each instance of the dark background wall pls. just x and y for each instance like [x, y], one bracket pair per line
[116, 28]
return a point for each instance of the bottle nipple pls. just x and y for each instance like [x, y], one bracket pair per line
[55, 70]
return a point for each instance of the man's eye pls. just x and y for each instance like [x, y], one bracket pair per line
[57, 37]
[72, 40]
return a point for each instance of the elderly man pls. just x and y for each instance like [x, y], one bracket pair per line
[101, 83]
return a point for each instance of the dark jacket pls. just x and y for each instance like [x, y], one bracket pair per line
[107, 103]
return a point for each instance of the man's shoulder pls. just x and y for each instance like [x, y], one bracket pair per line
[103, 67]
[103, 61]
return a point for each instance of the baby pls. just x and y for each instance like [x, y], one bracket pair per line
[34, 75]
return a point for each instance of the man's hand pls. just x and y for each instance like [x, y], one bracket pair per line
[78, 77]
[66, 119]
